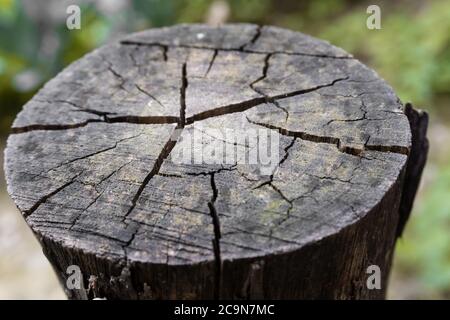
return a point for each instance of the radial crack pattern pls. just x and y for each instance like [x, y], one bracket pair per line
[148, 223]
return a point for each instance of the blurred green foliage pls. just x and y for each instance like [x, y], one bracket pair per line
[430, 257]
[412, 52]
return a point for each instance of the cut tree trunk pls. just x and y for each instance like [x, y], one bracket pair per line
[106, 165]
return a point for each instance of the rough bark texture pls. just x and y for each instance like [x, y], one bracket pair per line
[90, 165]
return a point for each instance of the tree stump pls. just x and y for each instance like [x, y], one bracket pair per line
[90, 164]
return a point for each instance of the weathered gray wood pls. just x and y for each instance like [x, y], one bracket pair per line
[90, 165]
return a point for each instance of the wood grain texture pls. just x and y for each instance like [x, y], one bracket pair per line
[90, 166]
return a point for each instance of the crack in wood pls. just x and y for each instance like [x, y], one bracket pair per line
[148, 94]
[211, 62]
[264, 75]
[254, 38]
[95, 153]
[52, 127]
[143, 119]
[79, 108]
[184, 85]
[44, 199]
[117, 75]
[74, 222]
[248, 104]
[286, 155]
[170, 144]
[217, 236]
[162, 45]
[118, 119]
[363, 108]
[264, 72]
[333, 140]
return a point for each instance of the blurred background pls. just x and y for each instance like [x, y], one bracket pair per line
[411, 51]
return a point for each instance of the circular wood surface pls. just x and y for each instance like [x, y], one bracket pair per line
[90, 160]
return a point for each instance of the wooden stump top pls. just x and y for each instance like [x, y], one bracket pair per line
[89, 161]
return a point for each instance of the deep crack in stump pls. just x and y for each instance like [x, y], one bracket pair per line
[95, 164]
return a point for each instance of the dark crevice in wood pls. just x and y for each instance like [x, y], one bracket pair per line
[73, 104]
[170, 175]
[262, 77]
[264, 71]
[291, 206]
[286, 112]
[165, 50]
[143, 119]
[364, 81]
[217, 236]
[52, 127]
[157, 44]
[270, 183]
[286, 155]
[170, 144]
[111, 174]
[303, 91]
[117, 75]
[247, 104]
[42, 200]
[101, 114]
[208, 173]
[391, 148]
[184, 85]
[215, 221]
[282, 195]
[234, 143]
[148, 94]
[333, 140]
[362, 118]
[107, 119]
[94, 153]
[132, 58]
[231, 108]
[211, 62]
[346, 95]
[349, 181]
[77, 218]
[253, 39]
[130, 241]
[79, 108]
